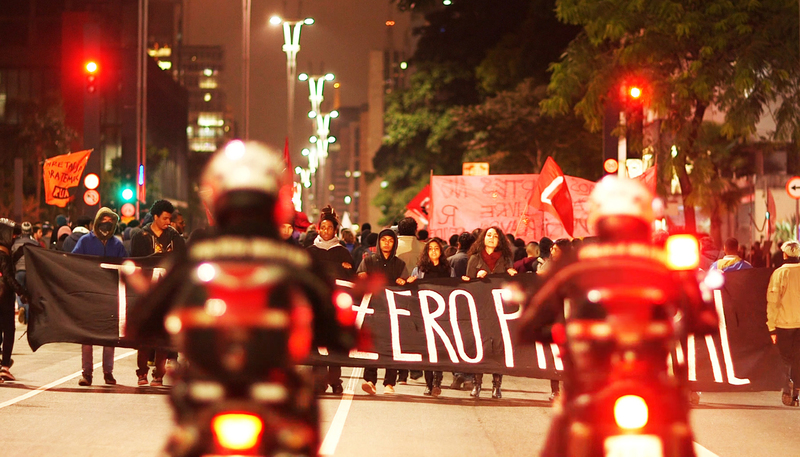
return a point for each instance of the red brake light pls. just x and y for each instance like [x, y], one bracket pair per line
[237, 431]
[630, 412]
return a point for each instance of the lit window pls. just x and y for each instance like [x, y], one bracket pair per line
[207, 97]
[208, 72]
[210, 120]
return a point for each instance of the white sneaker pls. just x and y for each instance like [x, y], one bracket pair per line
[368, 387]
[6, 375]
[388, 389]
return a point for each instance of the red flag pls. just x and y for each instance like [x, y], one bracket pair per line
[551, 194]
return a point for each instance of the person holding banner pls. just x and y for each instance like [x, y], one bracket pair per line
[9, 289]
[490, 254]
[432, 265]
[336, 262]
[384, 263]
[100, 242]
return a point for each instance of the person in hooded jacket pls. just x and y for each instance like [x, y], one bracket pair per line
[432, 264]
[491, 254]
[336, 263]
[18, 254]
[385, 263]
[100, 242]
[61, 221]
[9, 288]
[82, 227]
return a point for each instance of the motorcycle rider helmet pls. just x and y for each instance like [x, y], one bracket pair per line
[621, 210]
[242, 187]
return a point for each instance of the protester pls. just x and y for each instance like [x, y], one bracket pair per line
[18, 255]
[178, 223]
[491, 254]
[47, 233]
[783, 318]
[458, 262]
[386, 264]
[286, 233]
[432, 265]
[102, 243]
[61, 221]
[82, 227]
[156, 238]
[336, 263]
[8, 288]
[732, 261]
[529, 264]
[63, 233]
[362, 250]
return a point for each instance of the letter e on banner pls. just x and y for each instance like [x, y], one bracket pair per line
[394, 321]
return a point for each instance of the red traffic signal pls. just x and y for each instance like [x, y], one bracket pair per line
[91, 68]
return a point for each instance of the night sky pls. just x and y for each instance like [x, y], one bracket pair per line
[339, 42]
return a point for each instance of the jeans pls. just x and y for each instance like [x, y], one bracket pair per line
[389, 379]
[87, 359]
[788, 342]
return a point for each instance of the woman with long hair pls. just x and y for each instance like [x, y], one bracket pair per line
[490, 254]
[432, 264]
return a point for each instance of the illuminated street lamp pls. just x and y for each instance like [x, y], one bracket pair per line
[291, 46]
[316, 85]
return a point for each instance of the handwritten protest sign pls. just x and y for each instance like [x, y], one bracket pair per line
[462, 203]
[62, 173]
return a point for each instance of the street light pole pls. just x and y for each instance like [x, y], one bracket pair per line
[246, 10]
[291, 46]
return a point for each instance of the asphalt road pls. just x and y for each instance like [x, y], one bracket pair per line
[46, 413]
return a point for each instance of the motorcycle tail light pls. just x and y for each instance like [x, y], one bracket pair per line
[630, 412]
[237, 431]
[683, 252]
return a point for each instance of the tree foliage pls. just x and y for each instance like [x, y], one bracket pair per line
[739, 57]
[473, 60]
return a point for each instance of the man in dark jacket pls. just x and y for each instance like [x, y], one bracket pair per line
[156, 238]
[458, 261]
[384, 263]
[82, 227]
[18, 253]
[100, 242]
[8, 288]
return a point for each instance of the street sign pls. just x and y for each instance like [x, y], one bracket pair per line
[128, 210]
[91, 197]
[793, 187]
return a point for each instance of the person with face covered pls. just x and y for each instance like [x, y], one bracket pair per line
[100, 242]
[336, 263]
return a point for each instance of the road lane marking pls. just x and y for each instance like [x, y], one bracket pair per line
[331, 440]
[700, 451]
[44, 388]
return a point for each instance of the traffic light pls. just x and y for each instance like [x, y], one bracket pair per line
[127, 193]
[92, 69]
[611, 166]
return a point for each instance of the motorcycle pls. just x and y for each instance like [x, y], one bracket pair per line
[626, 307]
[243, 324]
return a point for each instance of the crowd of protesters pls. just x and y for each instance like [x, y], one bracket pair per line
[160, 232]
[401, 253]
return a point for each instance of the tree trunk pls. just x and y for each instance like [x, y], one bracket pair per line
[689, 214]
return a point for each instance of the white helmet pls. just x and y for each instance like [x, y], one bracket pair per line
[613, 196]
[240, 166]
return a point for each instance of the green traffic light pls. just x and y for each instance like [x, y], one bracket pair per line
[127, 194]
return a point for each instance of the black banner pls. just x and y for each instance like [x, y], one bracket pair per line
[441, 324]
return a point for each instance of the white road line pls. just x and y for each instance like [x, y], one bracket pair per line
[700, 451]
[44, 388]
[331, 440]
